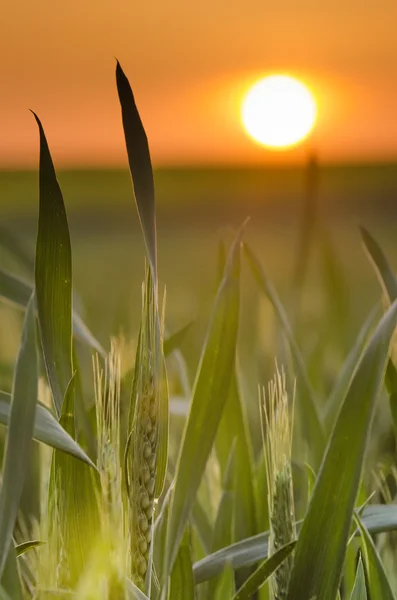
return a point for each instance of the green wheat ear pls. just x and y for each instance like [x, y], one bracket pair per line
[277, 422]
[145, 456]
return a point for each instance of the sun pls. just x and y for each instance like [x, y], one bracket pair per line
[278, 111]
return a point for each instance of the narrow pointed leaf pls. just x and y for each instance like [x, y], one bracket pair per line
[378, 585]
[139, 163]
[10, 580]
[25, 546]
[377, 518]
[19, 435]
[233, 427]
[46, 429]
[312, 425]
[263, 572]
[319, 559]
[53, 277]
[209, 397]
[359, 591]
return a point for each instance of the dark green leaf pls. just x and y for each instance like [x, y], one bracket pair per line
[140, 165]
[53, 277]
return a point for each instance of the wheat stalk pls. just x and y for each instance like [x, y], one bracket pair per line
[277, 434]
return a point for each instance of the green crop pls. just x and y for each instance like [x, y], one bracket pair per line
[134, 494]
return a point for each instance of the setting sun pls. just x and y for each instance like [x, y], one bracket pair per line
[278, 111]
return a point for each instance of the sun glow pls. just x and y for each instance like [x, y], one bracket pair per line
[278, 111]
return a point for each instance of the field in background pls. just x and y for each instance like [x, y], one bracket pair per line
[196, 209]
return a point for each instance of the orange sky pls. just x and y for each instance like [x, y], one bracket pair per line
[189, 63]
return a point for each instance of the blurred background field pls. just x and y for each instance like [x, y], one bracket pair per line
[197, 209]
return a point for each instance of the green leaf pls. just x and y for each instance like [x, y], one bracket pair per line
[25, 546]
[232, 428]
[73, 506]
[377, 518]
[140, 165]
[359, 591]
[53, 277]
[10, 580]
[17, 291]
[209, 397]
[182, 582]
[226, 587]
[319, 559]
[312, 425]
[20, 431]
[378, 585]
[263, 572]
[46, 429]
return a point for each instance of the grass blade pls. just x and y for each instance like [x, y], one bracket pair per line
[359, 591]
[319, 559]
[53, 277]
[20, 430]
[209, 397]
[386, 276]
[312, 425]
[140, 165]
[263, 572]
[377, 582]
[182, 582]
[25, 546]
[232, 428]
[46, 429]
[11, 581]
[377, 518]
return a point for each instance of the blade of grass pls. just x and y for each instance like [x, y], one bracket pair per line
[10, 580]
[20, 431]
[312, 425]
[359, 591]
[73, 506]
[140, 165]
[46, 429]
[211, 390]
[232, 428]
[263, 572]
[378, 585]
[53, 277]
[25, 546]
[319, 558]
[173, 341]
[182, 583]
[377, 518]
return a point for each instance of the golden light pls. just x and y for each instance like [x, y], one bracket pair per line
[278, 111]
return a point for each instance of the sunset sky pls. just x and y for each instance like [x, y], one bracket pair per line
[189, 65]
